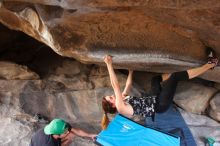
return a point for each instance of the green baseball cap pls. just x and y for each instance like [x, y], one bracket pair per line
[57, 126]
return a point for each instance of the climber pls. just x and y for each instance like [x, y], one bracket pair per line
[56, 132]
[160, 99]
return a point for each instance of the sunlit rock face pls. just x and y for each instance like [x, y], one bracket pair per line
[157, 36]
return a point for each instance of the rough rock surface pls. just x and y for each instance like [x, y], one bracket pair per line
[193, 97]
[13, 132]
[214, 109]
[11, 71]
[71, 91]
[217, 85]
[202, 127]
[160, 36]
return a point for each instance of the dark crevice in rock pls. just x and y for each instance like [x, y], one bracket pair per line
[22, 49]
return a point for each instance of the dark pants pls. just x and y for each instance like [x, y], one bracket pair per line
[165, 95]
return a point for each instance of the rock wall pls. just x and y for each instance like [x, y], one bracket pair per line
[73, 91]
[64, 88]
[156, 36]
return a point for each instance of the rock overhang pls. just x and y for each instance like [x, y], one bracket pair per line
[151, 36]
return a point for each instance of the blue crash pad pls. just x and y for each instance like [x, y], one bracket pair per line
[124, 132]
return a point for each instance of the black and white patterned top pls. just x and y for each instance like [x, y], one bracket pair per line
[143, 106]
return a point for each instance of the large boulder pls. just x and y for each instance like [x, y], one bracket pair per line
[214, 109]
[193, 97]
[21, 133]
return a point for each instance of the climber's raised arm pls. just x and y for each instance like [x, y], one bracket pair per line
[128, 84]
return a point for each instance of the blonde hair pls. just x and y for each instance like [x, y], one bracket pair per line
[105, 121]
[107, 108]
